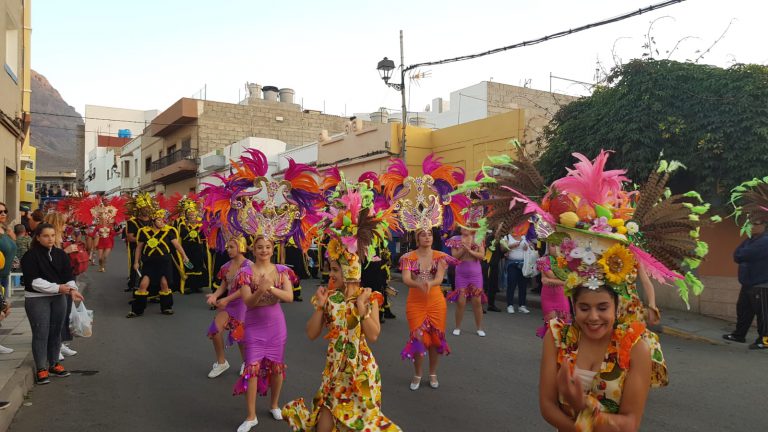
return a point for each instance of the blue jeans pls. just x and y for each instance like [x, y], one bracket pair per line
[515, 279]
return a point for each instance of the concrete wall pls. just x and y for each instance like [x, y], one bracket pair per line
[270, 147]
[11, 97]
[466, 105]
[130, 180]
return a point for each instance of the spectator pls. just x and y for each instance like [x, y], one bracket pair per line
[491, 274]
[515, 247]
[24, 216]
[48, 279]
[752, 258]
[23, 241]
[36, 218]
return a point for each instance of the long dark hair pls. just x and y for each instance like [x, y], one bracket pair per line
[38, 231]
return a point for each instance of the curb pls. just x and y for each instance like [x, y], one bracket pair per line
[682, 334]
[16, 390]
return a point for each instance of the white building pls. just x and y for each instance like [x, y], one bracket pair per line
[219, 161]
[103, 174]
[130, 168]
[108, 127]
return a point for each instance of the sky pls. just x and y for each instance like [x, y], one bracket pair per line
[146, 55]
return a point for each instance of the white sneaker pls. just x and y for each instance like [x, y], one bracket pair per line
[61, 356]
[242, 368]
[218, 369]
[456, 332]
[523, 309]
[67, 351]
[276, 413]
[481, 333]
[247, 425]
[510, 309]
[5, 350]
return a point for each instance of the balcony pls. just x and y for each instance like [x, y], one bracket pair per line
[182, 113]
[179, 165]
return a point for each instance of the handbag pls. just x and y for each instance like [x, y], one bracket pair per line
[81, 321]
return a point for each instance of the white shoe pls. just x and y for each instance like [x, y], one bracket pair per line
[276, 413]
[433, 382]
[5, 350]
[456, 332]
[61, 356]
[481, 333]
[510, 309]
[415, 385]
[219, 369]
[523, 309]
[247, 425]
[67, 351]
[242, 368]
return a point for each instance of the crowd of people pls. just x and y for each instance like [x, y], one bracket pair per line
[585, 244]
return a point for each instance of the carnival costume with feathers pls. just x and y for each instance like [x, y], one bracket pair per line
[435, 206]
[351, 382]
[605, 233]
[103, 214]
[193, 241]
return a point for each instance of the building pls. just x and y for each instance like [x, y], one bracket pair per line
[218, 161]
[369, 148]
[174, 140]
[15, 22]
[27, 170]
[129, 166]
[106, 130]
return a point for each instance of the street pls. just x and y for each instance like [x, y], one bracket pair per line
[149, 374]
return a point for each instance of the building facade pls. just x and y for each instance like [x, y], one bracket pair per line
[173, 142]
[14, 96]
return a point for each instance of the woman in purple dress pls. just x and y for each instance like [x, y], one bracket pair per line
[265, 331]
[469, 278]
[230, 309]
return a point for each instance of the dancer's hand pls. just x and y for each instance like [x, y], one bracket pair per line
[136, 266]
[321, 295]
[654, 317]
[262, 285]
[222, 303]
[570, 388]
[364, 299]
[210, 299]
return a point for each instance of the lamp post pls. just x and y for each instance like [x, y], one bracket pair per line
[385, 68]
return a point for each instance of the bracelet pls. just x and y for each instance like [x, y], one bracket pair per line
[317, 307]
[367, 315]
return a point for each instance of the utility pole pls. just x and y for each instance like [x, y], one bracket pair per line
[404, 109]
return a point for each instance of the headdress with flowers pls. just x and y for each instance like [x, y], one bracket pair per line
[435, 204]
[603, 225]
[145, 204]
[354, 226]
[96, 209]
[750, 204]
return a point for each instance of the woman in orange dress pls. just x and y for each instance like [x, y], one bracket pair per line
[423, 271]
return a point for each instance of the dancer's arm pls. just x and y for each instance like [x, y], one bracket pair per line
[369, 315]
[633, 396]
[137, 255]
[549, 404]
[654, 317]
[212, 298]
[316, 321]
[284, 292]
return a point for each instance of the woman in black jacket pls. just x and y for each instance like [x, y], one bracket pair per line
[48, 279]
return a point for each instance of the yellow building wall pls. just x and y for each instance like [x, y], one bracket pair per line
[27, 176]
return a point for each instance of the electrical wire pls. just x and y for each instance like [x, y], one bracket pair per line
[548, 37]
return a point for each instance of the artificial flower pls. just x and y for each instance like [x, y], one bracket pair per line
[632, 228]
[617, 262]
[585, 254]
[335, 249]
[601, 225]
[350, 243]
[573, 280]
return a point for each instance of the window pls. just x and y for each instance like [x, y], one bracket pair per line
[27, 165]
[12, 48]
[148, 164]
[126, 168]
[186, 143]
[172, 149]
[30, 187]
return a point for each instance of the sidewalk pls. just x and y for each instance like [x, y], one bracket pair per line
[17, 369]
[681, 324]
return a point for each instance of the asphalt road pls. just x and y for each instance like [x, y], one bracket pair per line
[149, 374]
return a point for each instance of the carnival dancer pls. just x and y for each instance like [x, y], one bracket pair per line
[192, 239]
[469, 278]
[104, 214]
[251, 204]
[376, 275]
[140, 210]
[230, 309]
[153, 261]
[605, 237]
[423, 269]
[554, 303]
[349, 398]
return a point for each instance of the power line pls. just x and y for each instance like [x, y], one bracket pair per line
[548, 37]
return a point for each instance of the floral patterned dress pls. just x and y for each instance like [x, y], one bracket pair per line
[351, 387]
[607, 386]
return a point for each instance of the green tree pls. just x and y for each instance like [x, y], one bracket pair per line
[713, 120]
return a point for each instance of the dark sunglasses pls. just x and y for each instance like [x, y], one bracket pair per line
[3, 211]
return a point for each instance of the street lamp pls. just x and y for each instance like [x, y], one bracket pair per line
[385, 68]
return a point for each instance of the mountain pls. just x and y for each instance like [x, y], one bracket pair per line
[54, 129]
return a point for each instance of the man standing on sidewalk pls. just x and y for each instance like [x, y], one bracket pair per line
[752, 258]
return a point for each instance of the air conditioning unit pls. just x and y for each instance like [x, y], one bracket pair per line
[212, 162]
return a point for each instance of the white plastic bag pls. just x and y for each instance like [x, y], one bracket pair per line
[529, 262]
[81, 321]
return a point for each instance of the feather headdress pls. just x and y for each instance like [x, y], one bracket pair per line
[435, 205]
[180, 205]
[750, 204]
[354, 227]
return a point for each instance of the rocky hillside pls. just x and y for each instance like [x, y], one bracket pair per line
[55, 136]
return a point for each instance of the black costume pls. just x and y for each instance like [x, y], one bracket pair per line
[156, 263]
[133, 225]
[193, 242]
